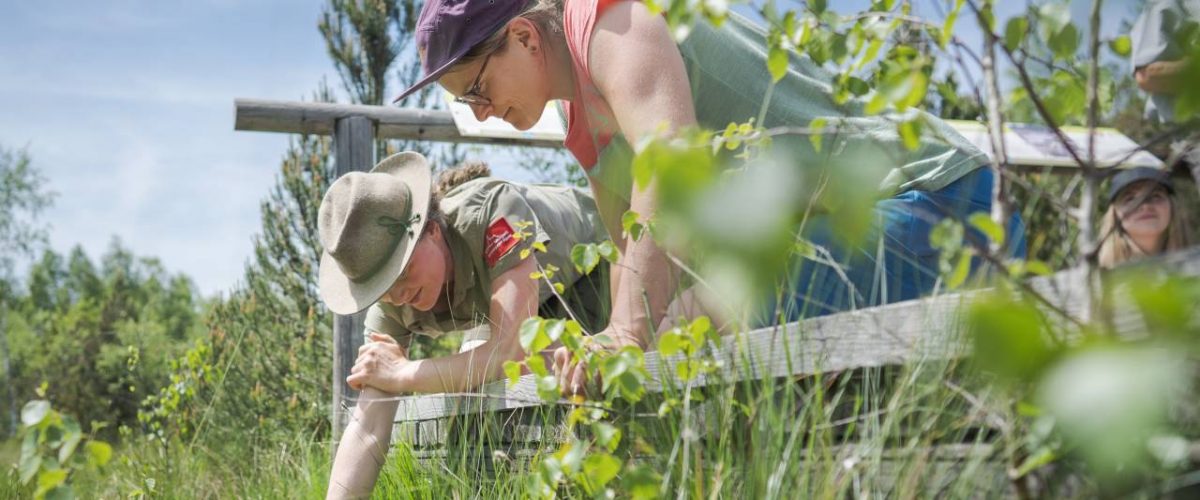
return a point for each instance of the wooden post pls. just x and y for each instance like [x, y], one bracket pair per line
[354, 150]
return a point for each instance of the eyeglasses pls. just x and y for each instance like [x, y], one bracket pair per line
[472, 97]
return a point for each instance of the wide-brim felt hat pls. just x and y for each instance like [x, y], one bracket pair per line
[369, 224]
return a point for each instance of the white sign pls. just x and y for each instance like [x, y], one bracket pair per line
[1038, 146]
[549, 127]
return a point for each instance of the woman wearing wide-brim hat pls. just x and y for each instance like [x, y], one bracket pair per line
[428, 261]
[1144, 217]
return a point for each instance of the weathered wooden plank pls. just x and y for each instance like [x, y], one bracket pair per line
[390, 123]
[888, 335]
[354, 150]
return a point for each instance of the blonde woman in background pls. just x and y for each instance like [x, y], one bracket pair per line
[1144, 218]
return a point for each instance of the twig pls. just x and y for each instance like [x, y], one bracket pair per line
[1027, 83]
[980, 407]
[1001, 210]
[1018, 180]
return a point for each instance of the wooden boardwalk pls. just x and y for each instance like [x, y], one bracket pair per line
[891, 335]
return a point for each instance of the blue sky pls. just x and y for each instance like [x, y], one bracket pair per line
[127, 107]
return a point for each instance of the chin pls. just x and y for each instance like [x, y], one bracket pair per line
[521, 125]
[524, 122]
[424, 305]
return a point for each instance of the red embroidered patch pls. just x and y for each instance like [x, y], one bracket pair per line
[498, 241]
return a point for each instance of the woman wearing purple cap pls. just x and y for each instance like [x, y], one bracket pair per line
[622, 78]
[1143, 218]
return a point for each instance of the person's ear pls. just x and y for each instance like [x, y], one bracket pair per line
[524, 34]
[435, 231]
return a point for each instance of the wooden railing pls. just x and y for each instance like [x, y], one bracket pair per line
[895, 334]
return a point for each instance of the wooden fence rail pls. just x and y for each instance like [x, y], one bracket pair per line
[896, 334]
[390, 123]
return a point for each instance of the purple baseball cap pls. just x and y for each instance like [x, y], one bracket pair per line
[447, 29]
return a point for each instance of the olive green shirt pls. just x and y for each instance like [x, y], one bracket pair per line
[485, 218]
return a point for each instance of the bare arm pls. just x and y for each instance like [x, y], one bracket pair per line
[639, 71]
[1162, 77]
[364, 446]
[514, 298]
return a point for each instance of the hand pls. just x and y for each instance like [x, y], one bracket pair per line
[380, 365]
[572, 373]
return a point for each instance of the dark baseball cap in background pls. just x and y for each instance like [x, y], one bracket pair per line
[1126, 177]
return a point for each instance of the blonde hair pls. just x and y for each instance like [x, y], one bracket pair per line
[1118, 247]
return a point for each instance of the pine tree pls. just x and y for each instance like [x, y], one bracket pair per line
[23, 196]
[263, 372]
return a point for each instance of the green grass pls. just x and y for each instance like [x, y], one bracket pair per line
[145, 469]
[929, 429]
[783, 438]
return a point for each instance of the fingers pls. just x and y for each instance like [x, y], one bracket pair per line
[577, 379]
[362, 372]
[355, 381]
[570, 374]
[561, 366]
[379, 337]
[383, 349]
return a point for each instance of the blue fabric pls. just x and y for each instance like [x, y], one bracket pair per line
[909, 267]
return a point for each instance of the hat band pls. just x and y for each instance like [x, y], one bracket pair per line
[398, 228]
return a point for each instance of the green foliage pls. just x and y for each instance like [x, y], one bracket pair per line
[1187, 106]
[23, 196]
[682, 14]
[586, 256]
[1009, 338]
[262, 372]
[48, 450]
[101, 336]
[367, 42]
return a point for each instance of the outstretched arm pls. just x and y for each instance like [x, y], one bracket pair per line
[639, 71]
[514, 298]
[364, 446]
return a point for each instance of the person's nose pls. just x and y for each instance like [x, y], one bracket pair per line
[394, 296]
[482, 111]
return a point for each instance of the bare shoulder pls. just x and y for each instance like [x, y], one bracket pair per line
[626, 37]
[639, 71]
